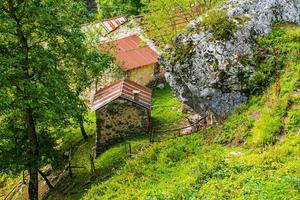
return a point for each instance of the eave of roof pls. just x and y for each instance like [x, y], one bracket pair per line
[108, 25]
[122, 89]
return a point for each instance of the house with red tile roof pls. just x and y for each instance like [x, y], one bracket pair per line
[135, 58]
[135, 55]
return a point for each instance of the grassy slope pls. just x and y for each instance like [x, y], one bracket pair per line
[164, 102]
[253, 155]
[113, 159]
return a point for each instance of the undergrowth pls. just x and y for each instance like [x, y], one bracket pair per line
[221, 25]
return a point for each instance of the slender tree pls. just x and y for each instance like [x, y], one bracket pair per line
[91, 66]
[41, 53]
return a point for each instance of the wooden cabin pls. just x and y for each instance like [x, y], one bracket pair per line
[123, 109]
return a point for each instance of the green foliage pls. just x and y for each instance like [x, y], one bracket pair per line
[293, 121]
[112, 8]
[271, 54]
[281, 97]
[45, 64]
[222, 26]
[207, 172]
[170, 161]
[71, 135]
[266, 128]
[7, 182]
[237, 128]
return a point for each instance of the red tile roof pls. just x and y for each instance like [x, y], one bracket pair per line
[108, 25]
[129, 53]
[125, 90]
[112, 24]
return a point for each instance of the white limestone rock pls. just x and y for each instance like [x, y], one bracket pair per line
[207, 76]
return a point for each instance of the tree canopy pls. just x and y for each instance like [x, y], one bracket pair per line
[112, 8]
[45, 62]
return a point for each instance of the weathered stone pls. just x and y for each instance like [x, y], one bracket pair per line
[118, 120]
[210, 75]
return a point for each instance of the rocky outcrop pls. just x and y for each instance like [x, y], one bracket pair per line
[210, 75]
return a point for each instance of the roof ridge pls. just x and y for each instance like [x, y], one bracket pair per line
[108, 86]
[124, 89]
[138, 85]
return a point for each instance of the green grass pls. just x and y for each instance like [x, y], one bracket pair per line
[166, 111]
[185, 168]
[252, 155]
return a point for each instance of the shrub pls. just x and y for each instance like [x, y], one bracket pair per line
[272, 52]
[293, 121]
[266, 128]
[222, 27]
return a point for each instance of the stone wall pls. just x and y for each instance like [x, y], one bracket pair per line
[118, 120]
[142, 75]
[146, 74]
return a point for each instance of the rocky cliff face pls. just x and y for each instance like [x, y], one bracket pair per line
[210, 74]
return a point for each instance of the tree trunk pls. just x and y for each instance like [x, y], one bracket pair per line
[91, 6]
[82, 129]
[33, 146]
[46, 179]
[33, 155]
[33, 189]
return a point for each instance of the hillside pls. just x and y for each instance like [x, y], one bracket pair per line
[252, 155]
[150, 100]
[166, 114]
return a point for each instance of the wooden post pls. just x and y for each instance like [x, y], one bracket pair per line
[92, 164]
[24, 180]
[70, 170]
[129, 149]
[151, 137]
[69, 163]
